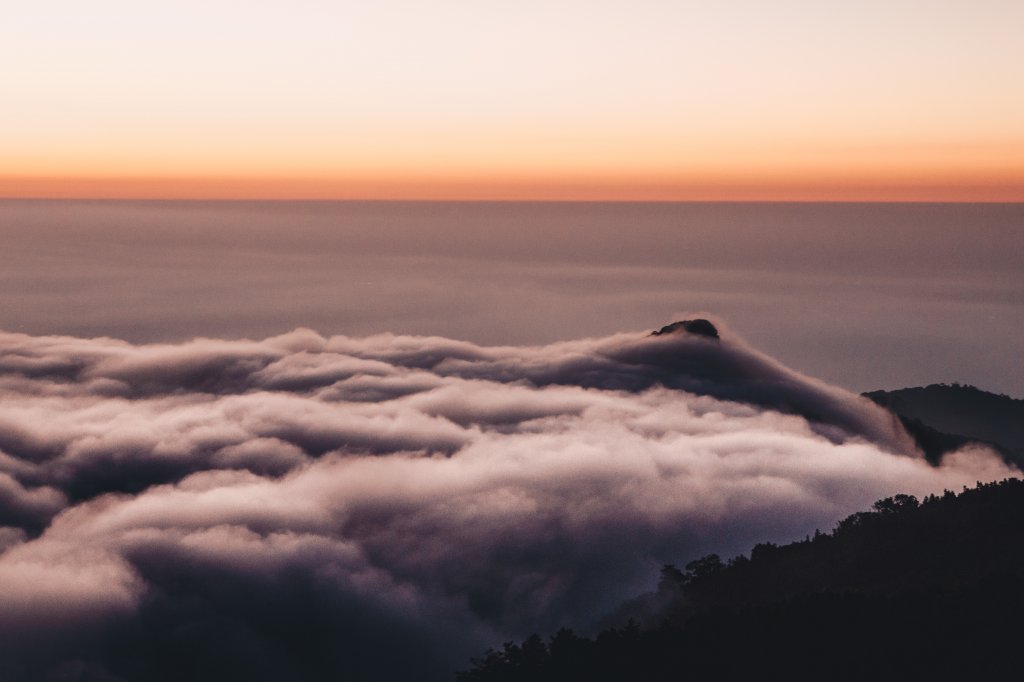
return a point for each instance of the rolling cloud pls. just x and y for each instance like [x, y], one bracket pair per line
[311, 508]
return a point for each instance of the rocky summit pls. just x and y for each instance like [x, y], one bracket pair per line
[700, 327]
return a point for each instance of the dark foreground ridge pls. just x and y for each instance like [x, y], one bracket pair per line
[927, 590]
[700, 327]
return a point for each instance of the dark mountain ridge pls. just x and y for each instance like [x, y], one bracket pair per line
[929, 589]
[944, 417]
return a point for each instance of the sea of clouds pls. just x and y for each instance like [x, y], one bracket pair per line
[310, 508]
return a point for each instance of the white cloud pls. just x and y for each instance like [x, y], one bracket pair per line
[422, 486]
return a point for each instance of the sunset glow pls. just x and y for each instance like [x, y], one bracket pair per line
[461, 100]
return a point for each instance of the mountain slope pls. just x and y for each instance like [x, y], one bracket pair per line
[909, 590]
[960, 414]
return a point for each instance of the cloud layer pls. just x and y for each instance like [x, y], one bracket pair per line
[314, 508]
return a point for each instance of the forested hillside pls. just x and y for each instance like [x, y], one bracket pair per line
[915, 590]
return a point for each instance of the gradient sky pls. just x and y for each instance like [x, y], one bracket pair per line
[609, 99]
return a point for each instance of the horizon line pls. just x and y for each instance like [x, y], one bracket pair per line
[478, 200]
[780, 189]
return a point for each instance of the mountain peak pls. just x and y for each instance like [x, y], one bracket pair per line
[700, 327]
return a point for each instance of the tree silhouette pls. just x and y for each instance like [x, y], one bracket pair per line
[929, 589]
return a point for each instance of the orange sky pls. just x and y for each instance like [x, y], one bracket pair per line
[515, 189]
[565, 99]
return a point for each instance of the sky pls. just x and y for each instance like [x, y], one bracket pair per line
[866, 296]
[732, 100]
